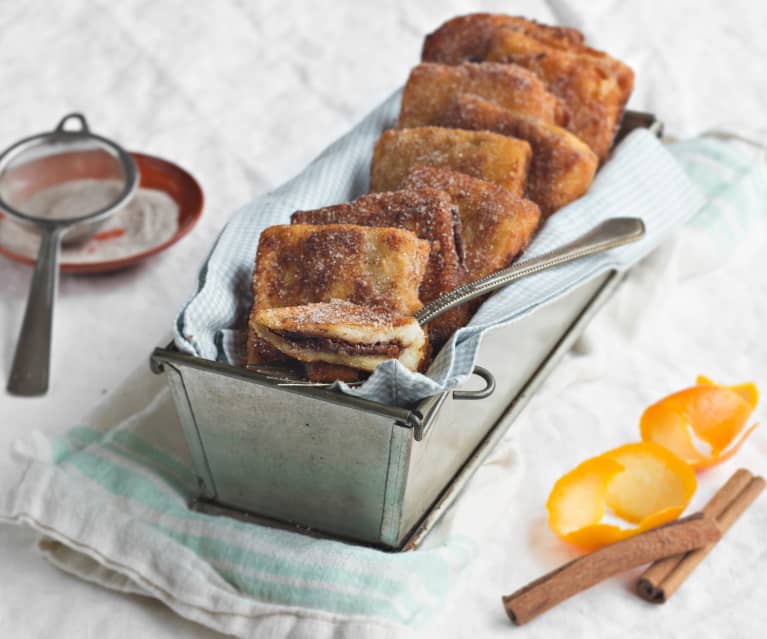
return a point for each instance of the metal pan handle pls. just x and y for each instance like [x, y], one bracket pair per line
[486, 375]
[423, 422]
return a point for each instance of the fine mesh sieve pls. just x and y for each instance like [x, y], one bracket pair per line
[62, 185]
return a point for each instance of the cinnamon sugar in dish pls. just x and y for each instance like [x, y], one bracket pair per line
[148, 220]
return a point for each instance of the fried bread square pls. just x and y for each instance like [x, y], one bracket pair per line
[562, 166]
[430, 88]
[467, 38]
[301, 263]
[593, 85]
[481, 154]
[431, 215]
[496, 226]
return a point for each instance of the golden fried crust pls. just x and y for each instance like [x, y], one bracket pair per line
[562, 167]
[481, 154]
[467, 38]
[593, 85]
[326, 373]
[429, 214]
[430, 88]
[496, 226]
[333, 318]
[300, 264]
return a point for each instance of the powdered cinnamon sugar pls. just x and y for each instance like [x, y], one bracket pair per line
[148, 220]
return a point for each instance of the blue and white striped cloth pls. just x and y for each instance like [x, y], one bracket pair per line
[642, 179]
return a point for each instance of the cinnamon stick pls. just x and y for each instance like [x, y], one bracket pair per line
[664, 577]
[582, 573]
[658, 571]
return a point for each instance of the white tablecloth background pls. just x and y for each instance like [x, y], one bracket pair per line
[243, 94]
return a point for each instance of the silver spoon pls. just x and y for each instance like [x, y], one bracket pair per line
[611, 233]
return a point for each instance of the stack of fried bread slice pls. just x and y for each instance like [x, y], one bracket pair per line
[481, 154]
[593, 85]
[503, 123]
[512, 101]
[431, 87]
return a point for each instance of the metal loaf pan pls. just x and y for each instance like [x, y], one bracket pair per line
[326, 463]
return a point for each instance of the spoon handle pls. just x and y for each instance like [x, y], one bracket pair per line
[611, 233]
[31, 363]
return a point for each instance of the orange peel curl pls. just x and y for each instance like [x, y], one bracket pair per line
[714, 414]
[643, 483]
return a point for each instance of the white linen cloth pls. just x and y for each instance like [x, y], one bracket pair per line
[244, 95]
[110, 499]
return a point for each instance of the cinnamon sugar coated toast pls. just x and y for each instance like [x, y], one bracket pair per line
[496, 225]
[301, 263]
[467, 38]
[594, 86]
[430, 214]
[481, 154]
[562, 166]
[504, 122]
[430, 88]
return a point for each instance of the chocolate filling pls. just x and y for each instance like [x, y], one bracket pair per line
[331, 345]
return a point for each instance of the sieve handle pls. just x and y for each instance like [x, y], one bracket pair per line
[31, 363]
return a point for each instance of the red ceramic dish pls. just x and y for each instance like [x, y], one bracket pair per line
[155, 173]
